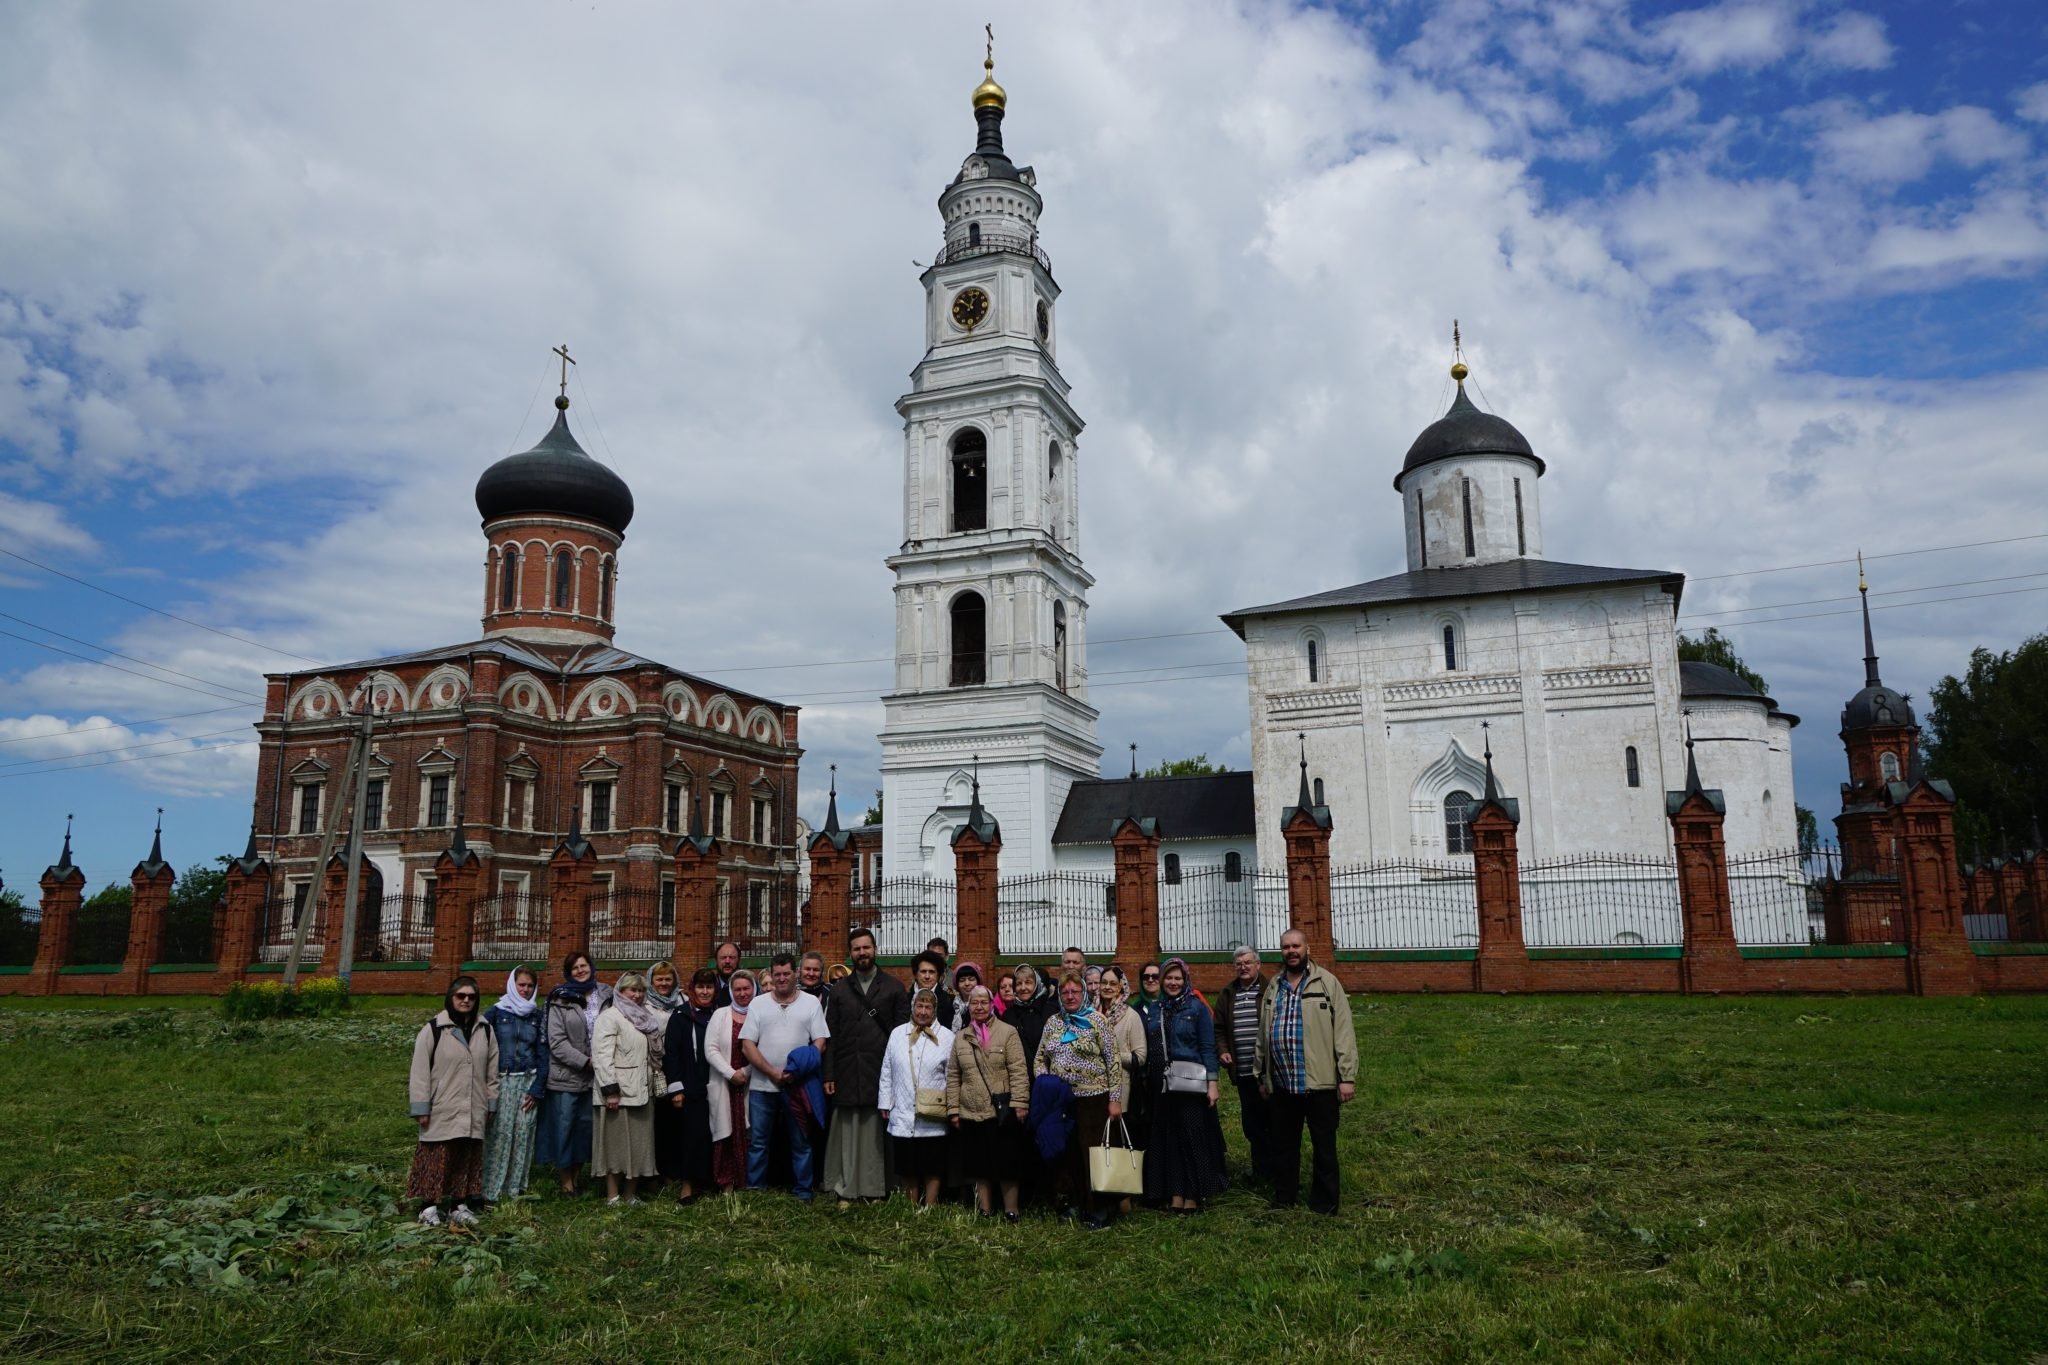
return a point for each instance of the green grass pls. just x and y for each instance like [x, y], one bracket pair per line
[1571, 1179]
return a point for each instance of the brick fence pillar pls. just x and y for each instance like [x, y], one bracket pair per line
[1306, 827]
[1135, 844]
[1940, 960]
[149, 905]
[977, 858]
[1711, 961]
[458, 880]
[242, 900]
[830, 917]
[1502, 962]
[63, 887]
[570, 881]
[697, 859]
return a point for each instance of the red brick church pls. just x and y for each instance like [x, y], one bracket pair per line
[540, 733]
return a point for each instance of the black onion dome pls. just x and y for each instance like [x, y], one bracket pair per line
[556, 477]
[1465, 430]
[1697, 679]
[1876, 705]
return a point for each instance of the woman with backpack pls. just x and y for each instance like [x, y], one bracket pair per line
[453, 1089]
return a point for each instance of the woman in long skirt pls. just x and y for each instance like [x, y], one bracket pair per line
[1186, 1155]
[729, 1077]
[687, 1066]
[522, 1081]
[622, 1138]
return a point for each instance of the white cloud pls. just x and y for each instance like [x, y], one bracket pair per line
[1728, 35]
[202, 756]
[2032, 103]
[1902, 147]
[36, 525]
[2003, 232]
[1853, 40]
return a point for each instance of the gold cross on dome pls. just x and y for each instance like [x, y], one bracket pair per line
[567, 360]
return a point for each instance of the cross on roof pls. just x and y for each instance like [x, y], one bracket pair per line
[567, 360]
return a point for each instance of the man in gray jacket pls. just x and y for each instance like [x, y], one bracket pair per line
[861, 1011]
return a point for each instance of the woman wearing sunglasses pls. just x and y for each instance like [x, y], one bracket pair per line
[453, 1089]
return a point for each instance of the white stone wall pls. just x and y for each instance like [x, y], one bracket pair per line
[1433, 511]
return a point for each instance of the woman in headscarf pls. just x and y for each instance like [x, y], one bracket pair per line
[1006, 991]
[453, 1089]
[728, 1088]
[523, 1072]
[687, 1065]
[1184, 1164]
[988, 1089]
[1034, 1003]
[1148, 1004]
[1079, 1048]
[912, 1098]
[665, 997]
[564, 1138]
[622, 1066]
[1111, 990]
[965, 978]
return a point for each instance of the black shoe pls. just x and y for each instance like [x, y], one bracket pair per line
[1012, 1218]
[1095, 1222]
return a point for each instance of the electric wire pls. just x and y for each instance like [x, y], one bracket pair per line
[127, 724]
[147, 677]
[135, 758]
[90, 644]
[122, 749]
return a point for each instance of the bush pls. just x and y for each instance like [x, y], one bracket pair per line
[317, 997]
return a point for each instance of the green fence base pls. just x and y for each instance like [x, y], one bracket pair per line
[15, 971]
[1771, 950]
[1407, 954]
[90, 969]
[2011, 949]
[1646, 953]
[171, 968]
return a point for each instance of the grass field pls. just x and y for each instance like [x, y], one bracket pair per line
[1573, 1179]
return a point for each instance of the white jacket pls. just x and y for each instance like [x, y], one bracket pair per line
[904, 1073]
[619, 1057]
[720, 1051]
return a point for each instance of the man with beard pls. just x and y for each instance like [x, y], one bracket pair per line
[861, 1011]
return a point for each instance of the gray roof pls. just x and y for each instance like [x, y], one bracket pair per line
[1703, 680]
[556, 476]
[1465, 430]
[1477, 580]
[1213, 806]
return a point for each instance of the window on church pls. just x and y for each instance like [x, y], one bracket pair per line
[1055, 493]
[1318, 794]
[309, 808]
[508, 580]
[518, 813]
[1888, 764]
[1314, 664]
[757, 907]
[1059, 645]
[1521, 533]
[668, 903]
[563, 569]
[1635, 768]
[672, 807]
[1458, 822]
[970, 640]
[974, 234]
[1173, 869]
[427, 893]
[1421, 531]
[604, 590]
[1471, 547]
[1233, 866]
[373, 804]
[1450, 648]
[970, 481]
[600, 807]
[437, 799]
[761, 819]
[718, 804]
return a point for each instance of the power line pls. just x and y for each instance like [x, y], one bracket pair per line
[136, 758]
[123, 749]
[1895, 606]
[126, 724]
[89, 644]
[146, 677]
[1851, 597]
[1890, 554]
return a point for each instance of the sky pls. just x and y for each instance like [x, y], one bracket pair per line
[1762, 282]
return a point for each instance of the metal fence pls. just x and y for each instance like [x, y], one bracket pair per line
[1210, 909]
[1040, 916]
[1402, 903]
[191, 934]
[1601, 900]
[906, 913]
[1774, 897]
[625, 925]
[279, 923]
[1861, 896]
[510, 926]
[395, 929]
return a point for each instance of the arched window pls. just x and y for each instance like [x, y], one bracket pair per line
[1319, 792]
[1421, 529]
[974, 234]
[970, 481]
[1233, 866]
[1635, 768]
[508, 579]
[604, 590]
[564, 568]
[1471, 547]
[1458, 822]
[970, 640]
[1888, 764]
[1059, 645]
[1314, 663]
[1450, 648]
[1055, 494]
[1173, 869]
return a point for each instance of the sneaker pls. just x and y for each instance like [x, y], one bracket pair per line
[1011, 1218]
[613, 1202]
[462, 1217]
[1095, 1222]
[430, 1216]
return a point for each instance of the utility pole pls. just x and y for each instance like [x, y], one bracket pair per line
[345, 967]
[312, 910]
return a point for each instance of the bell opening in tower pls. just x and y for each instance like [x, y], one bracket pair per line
[969, 619]
[970, 481]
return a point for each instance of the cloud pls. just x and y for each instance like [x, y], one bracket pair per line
[206, 756]
[1852, 40]
[1896, 148]
[1728, 35]
[41, 526]
[2004, 232]
[2032, 103]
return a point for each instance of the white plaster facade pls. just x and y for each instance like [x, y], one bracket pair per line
[988, 386]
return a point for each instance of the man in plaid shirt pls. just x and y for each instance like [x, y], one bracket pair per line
[1307, 1066]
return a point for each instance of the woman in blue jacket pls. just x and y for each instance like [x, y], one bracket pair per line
[1187, 1139]
[522, 1073]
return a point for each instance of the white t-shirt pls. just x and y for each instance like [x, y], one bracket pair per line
[778, 1030]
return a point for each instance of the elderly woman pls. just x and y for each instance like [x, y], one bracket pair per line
[686, 1063]
[1080, 1048]
[728, 1087]
[1184, 1164]
[453, 1089]
[522, 1071]
[988, 1094]
[564, 1138]
[1027, 1014]
[622, 1141]
[665, 996]
[912, 1098]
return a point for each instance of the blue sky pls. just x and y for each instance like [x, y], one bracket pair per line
[1762, 281]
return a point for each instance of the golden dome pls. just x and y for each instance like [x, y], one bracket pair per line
[988, 93]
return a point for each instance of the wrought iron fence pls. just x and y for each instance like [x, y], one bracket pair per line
[1859, 894]
[280, 923]
[991, 243]
[395, 929]
[906, 913]
[1210, 909]
[1042, 916]
[1403, 903]
[1601, 900]
[510, 926]
[625, 924]
[1775, 898]
[99, 933]
[1985, 917]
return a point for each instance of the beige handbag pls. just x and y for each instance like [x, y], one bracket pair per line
[1116, 1170]
[931, 1102]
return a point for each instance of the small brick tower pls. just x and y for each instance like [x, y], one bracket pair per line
[1881, 737]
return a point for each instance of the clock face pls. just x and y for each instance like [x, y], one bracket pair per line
[1044, 320]
[970, 308]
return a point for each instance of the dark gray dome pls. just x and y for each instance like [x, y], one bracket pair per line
[1465, 430]
[1712, 680]
[556, 478]
[1876, 705]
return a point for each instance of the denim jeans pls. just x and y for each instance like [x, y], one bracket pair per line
[764, 1112]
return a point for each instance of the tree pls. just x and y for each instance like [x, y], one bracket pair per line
[188, 919]
[18, 926]
[874, 815]
[1198, 766]
[1988, 737]
[100, 933]
[1716, 648]
[1809, 830]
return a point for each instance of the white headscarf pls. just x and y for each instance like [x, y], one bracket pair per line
[512, 1002]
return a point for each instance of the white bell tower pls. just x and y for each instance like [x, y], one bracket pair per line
[991, 598]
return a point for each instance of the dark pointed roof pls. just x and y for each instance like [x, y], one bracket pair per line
[458, 846]
[979, 820]
[250, 859]
[149, 867]
[1465, 430]
[1876, 705]
[832, 833]
[1212, 806]
[578, 846]
[1711, 795]
[64, 869]
[556, 476]
[1304, 801]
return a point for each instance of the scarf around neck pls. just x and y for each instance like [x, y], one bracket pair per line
[640, 1017]
[675, 999]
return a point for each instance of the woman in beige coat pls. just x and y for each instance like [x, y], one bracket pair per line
[988, 1096]
[624, 1079]
[453, 1090]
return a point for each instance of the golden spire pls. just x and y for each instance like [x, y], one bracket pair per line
[988, 93]
[1862, 583]
[1458, 370]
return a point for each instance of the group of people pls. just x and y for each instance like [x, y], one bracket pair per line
[837, 1078]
